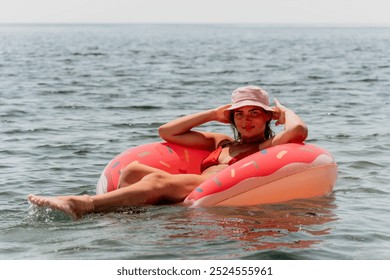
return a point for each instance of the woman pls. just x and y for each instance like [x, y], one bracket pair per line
[249, 114]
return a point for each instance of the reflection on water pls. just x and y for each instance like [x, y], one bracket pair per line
[185, 232]
[296, 224]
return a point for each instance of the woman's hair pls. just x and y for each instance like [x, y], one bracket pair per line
[268, 132]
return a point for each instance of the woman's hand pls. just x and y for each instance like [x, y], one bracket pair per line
[280, 113]
[181, 130]
[295, 130]
[220, 115]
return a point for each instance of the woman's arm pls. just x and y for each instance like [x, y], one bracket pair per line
[295, 130]
[179, 131]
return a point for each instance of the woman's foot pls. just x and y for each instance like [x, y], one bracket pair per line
[74, 206]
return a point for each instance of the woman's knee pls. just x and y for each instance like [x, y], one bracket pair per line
[132, 173]
[157, 180]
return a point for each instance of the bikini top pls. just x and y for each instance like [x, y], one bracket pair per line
[213, 158]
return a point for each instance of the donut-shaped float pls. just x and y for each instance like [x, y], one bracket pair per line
[280, 173]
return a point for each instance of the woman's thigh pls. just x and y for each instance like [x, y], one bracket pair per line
[173, 187]
[135, 172]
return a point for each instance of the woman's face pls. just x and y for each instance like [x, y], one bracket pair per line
[251, 122]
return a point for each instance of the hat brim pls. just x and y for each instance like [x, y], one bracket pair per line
[246, 103]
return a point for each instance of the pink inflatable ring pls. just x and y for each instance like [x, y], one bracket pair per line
[281, 173]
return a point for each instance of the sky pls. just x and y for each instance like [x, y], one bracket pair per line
[363, 12]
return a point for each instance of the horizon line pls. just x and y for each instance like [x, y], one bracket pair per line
[354, 24]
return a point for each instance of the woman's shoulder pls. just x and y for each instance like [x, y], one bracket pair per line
[225, 142]
[217, 139]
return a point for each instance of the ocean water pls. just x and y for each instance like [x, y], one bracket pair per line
[74, 96]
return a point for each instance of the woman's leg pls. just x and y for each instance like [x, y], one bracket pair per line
[151, 189]
[134, 172]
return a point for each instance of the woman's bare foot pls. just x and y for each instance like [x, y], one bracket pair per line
[74, 206]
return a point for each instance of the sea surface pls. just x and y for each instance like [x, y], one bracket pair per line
[74, 96]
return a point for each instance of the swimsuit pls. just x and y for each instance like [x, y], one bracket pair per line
[213, 158]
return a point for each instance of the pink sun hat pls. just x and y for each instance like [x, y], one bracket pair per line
[249, 96]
